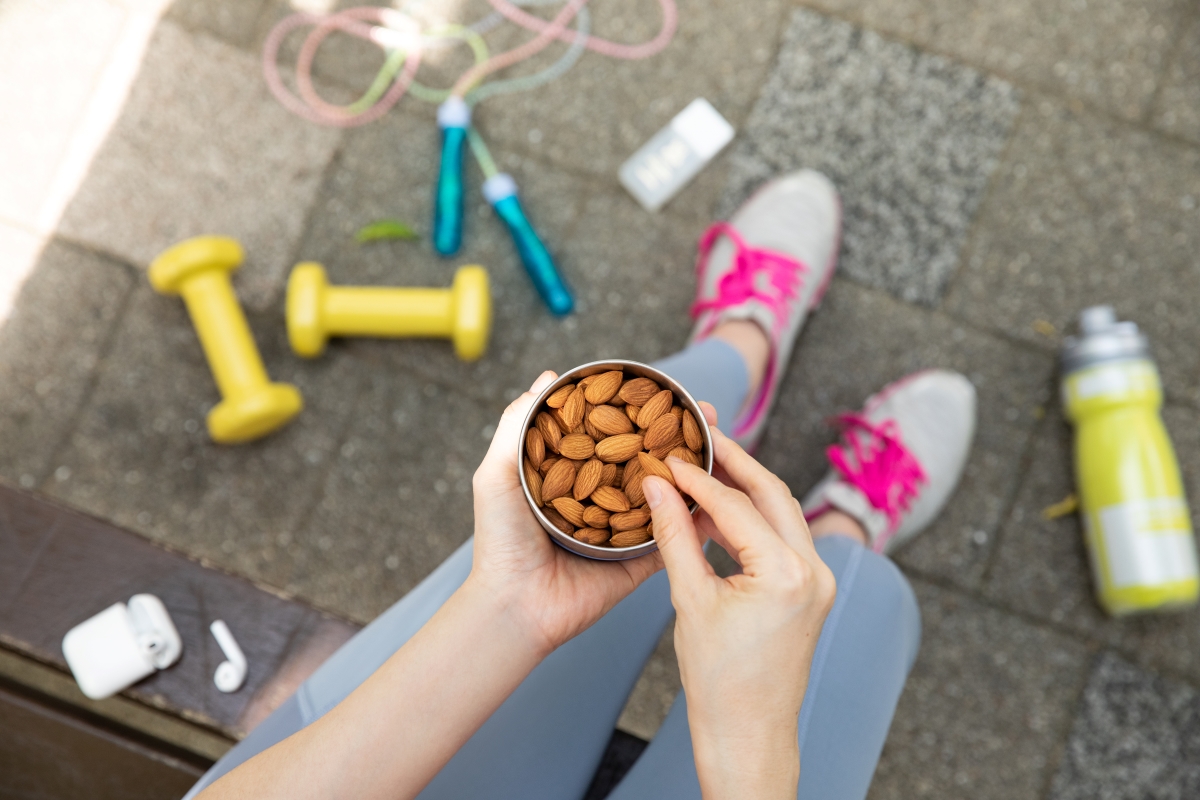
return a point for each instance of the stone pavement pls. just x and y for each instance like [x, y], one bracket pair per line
[1003, 164]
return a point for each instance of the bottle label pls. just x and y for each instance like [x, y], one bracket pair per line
[1115, 379]
[1148, 542]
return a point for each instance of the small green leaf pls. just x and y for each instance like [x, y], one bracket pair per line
[385, 229]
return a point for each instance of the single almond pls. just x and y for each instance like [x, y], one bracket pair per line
[571, 510]
[535, 447]
[658, 434]
[604, 387]
[631, 411]
[557, 521]
[628, 520]
[592, 430]
[548, 464]
[685, 454]
[654, 408]
[661, 453]
[560, 396]
[596, 536]
[620, 476]
[619, 448]
[585, 382]
[587, 479]
[637, 391]
[677, 411]
[610, 499]
[650, 466]
[691, 432]
[549, 430]
[577, 446]
[608, 475]
[559, 480]
[610, 421]
[534, 481]
[632, 485]
[556, 414]
[596, 517]
[630, 538]
[573, 410]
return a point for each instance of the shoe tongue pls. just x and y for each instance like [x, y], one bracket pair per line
[850, 500]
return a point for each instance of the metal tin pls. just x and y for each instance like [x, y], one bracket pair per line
[637, 369]
[1102, 338]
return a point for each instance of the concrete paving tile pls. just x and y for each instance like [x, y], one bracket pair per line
[365, 185]
[141, 457]
[986, 706]
[1106, 53]
[655, 690]
[1177, 106]
[397, 501]
[1136, 735]
[859, 341]
[234, 21]
[1086, 211]
[202, 147]
[1041, 566]
[909, 138]
[60, 325]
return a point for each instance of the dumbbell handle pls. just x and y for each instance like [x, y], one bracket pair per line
[223, 330]
[359, 311]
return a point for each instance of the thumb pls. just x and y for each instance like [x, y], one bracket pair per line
[676, 535]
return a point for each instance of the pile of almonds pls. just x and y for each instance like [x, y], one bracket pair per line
[590, 446]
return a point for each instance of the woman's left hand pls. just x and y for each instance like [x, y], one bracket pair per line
[556, 593]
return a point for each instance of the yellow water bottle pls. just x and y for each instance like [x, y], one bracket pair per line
[1131, 498]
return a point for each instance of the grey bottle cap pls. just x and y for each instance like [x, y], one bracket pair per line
[1102, 338]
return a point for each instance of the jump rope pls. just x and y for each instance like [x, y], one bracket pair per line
[399, 33]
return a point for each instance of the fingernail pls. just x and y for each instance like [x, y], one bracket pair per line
[652, 492]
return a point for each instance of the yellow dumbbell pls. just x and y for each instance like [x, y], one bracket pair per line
[198, 269]
[316, 311]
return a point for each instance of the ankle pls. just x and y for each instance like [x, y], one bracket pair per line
[752, 344]
[837, 523]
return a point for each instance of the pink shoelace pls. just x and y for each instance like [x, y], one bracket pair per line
[783, 276]
[877, 462]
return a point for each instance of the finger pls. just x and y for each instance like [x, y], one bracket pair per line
[676, 535]
[755, 543]
[710, 413]
[501, 458]
[770, 495]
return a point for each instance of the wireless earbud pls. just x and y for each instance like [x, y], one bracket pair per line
[230, 674]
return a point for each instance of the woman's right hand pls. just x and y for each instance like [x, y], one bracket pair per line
[745, 643]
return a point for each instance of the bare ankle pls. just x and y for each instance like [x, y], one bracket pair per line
[836, 523]
[751, 343]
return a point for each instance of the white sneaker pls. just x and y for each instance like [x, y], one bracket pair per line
[900, 458]
[771, 264]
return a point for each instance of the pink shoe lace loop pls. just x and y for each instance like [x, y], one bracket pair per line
[782, 284]
[875, 460]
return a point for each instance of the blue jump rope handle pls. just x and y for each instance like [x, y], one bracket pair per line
[535, 256]
[448, 205]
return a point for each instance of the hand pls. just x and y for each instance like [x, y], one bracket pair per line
[745, 643]
[555, 593]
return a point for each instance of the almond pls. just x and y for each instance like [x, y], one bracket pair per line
[577, 447]
[592, 431]
[585, 382]
[571, 510]
[632, 483]
[661, 432]
[630, 538]
[617, 480]
[556, 414]
[604, 387]
[587, 480]
[677, 411]
[619, 448]
[534, 481]
[634, 518]
[548, 464]
[597, 536]
[560, 396]
[535, 447]
[631, 411]
[595, 517]
[559, 480]
[661, 453]
[691, 432]
[608, 475]
[549, 430]
[610, 499]
[573, 409]
[610, 421]
[685, 454]
[638, 390]
[557, 521]
[650, 466]
[654, 408]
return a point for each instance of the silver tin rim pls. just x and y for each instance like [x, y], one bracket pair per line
[571, 376]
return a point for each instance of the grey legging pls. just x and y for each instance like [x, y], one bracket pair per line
[547, 739]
